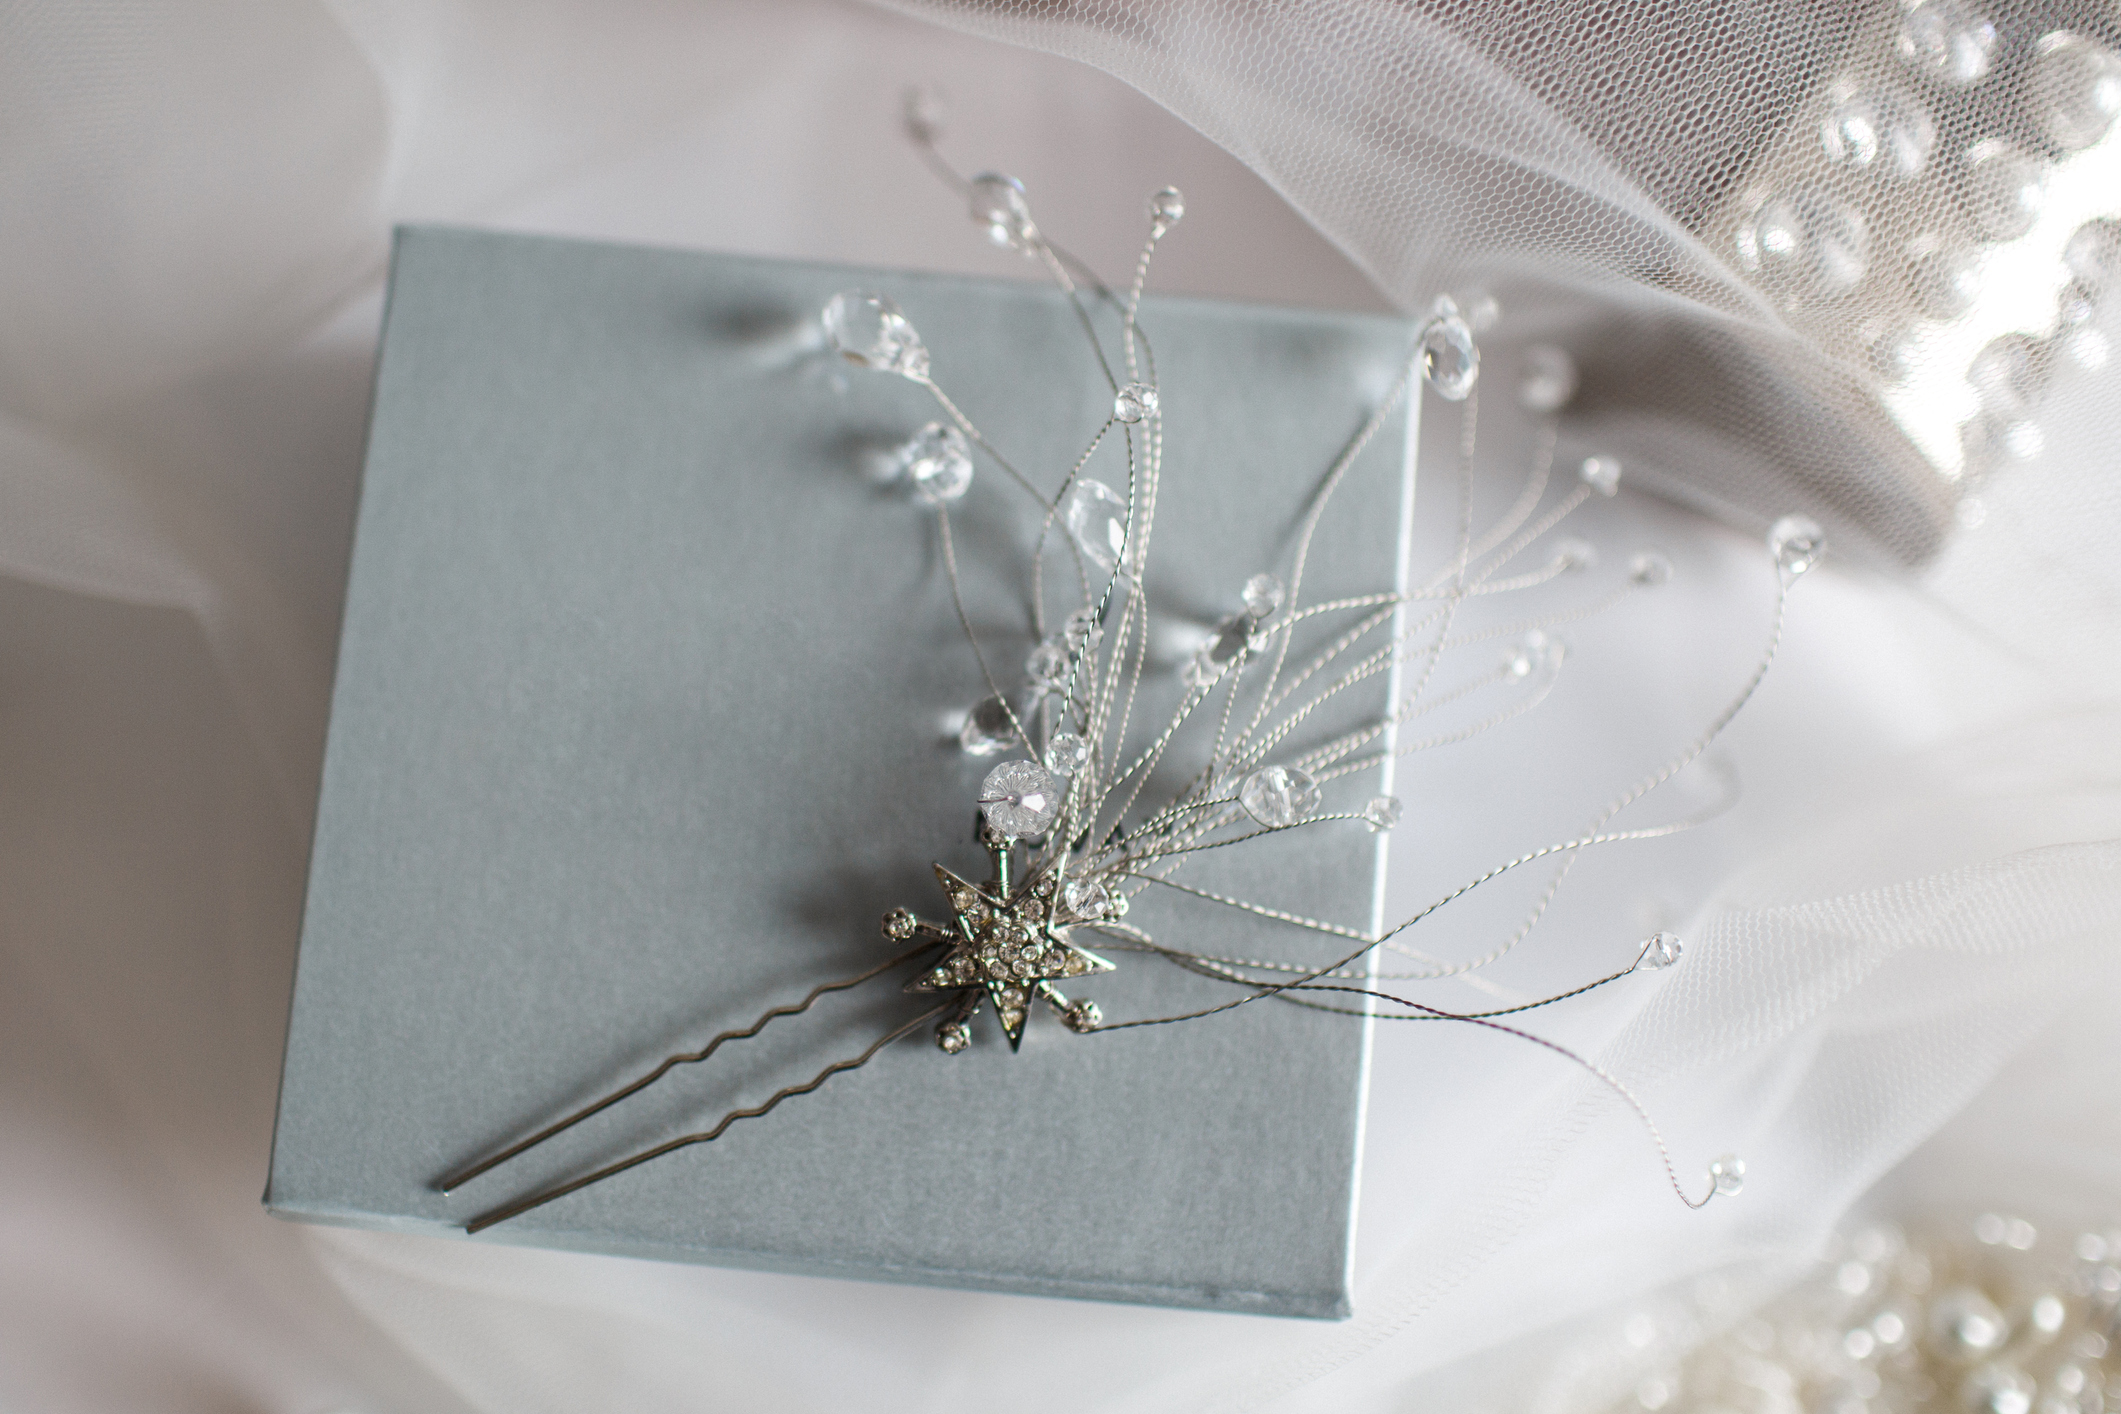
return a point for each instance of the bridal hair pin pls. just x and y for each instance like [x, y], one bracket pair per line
[1073, 832]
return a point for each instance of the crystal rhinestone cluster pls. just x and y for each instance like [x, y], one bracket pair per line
[1991, 1316]
[1008, 947]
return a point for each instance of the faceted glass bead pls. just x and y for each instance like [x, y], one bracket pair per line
[1947, 40]
[1085, 898]
[1279, 795]
[1945, 276]
[1547, 380]
[2005, 188]
[998, 207]
[988, 728]
[1047, 666]
[1449, 358]
[1728, 1174]
[1601, 474]
[1166, 208]
[938, 462]
[1096, 517]
[1884, 132]
[1382, 813]
[1020, 799]
[1083, 1017]
[1805, 244]
[1650, 567]
[2076, 90]
[1263, 594]
[1135, 402]
[1067, 753]
[1575, 555]
[1797, 543]
[873, 331]
[2093, 253]
[2009, 374]
[1662, 950]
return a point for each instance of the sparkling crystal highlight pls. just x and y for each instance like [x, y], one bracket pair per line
[1096, 517]
[1449, 358]
[1020, 799]
[1263, 594]
[1947, 40]
[938, 462]
[1662, 950]
[1601, 474]
[1067, 753]
[998, 207]
[1135, 402]
[1728, 1174]
[1382, 812]
[1279, 795]
[987, 728]
[873, 331]
[1797, 543]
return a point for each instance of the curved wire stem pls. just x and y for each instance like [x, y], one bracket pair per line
[464, 1176]
[541, 1198]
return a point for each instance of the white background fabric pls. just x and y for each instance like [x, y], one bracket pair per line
[194, 213]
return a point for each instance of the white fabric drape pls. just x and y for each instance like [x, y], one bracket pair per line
[1918, 895]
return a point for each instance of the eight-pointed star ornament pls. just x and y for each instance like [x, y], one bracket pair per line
[1011, 947]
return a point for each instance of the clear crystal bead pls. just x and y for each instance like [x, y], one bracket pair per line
[1662, 950]
[1805, 244]
[1047, 666]
[873, 331]
[2093, 253]
[1547, 380]
[939, 463]
[1135, 402]
[988, 728]
[1166, 208]
[1797, 544]
[1263, 594]
[1879, 131]
[1067, 753]
[1279, 795]
[1576, 555]
[1020, 799]
[1083, 1017]
[1529, 654]
[1450, 360]
[1096, 517]
[1947, 40]
[1085, 898]
[953, 1036]
[2009, 374]
[2076, 90]
[2006, 187]
[1382, 813]
[1082, 630]
[1650, 567]
[1944, 275]
[1728, 1174]
[1601, 474]
[999, 208]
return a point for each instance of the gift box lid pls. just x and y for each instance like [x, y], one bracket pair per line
[645, 711]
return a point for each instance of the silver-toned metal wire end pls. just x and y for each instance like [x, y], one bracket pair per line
[543, 1196]
[464, 1176]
